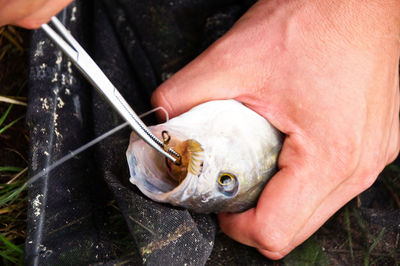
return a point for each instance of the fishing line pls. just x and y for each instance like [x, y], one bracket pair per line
[84, 147]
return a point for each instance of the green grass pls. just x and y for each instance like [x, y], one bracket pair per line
[14, 146]
[12, 214]
[10, 252]
[11, 192]
[10, 169]
[308, 254]
[12, 221]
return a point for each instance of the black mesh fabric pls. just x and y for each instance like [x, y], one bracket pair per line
[137, 44]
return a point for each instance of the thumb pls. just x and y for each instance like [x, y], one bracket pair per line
[202, 80]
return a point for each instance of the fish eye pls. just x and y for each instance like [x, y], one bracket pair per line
[225, 179]
[227, 184]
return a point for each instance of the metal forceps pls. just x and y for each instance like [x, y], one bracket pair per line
[98, 79]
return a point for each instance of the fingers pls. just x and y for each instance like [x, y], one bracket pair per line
[295, 202]
[29, 14]
[214, 74]
[43, 14]
[236, 66]
[196, 83]
[345, 192]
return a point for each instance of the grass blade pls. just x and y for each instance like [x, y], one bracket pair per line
[10, 245]
[18, 175]
[11, 100]
[4, 50]
[9, 197]
[10, 169]
[10, 252]
[349, 237]
[373, 245]
[16, 34]
[10, 124]
[4, 116]
[377, 239]
[5, 256]
[12, 40]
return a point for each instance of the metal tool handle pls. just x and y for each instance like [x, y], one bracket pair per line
[99, 80]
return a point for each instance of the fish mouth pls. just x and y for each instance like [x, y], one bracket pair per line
[159, 178]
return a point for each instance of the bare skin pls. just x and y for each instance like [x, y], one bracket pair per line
[29, 14]
[325, 73]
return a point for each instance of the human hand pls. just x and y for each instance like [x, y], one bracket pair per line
[29, 13]
[325, 73]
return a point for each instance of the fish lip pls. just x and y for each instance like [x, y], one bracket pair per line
[157, 188]
[177, 195]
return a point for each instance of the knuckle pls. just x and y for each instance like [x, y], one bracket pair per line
[269, 238]
[273, 255]
[271, 241]
[161, 98]
[369, 178]
[368, 174]
[156, 97]
[366, 182]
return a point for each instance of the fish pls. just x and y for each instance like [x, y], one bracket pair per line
[227, 155]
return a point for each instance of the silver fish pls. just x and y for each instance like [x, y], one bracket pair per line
[228, 153]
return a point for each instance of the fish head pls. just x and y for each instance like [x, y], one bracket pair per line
[221, 168]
